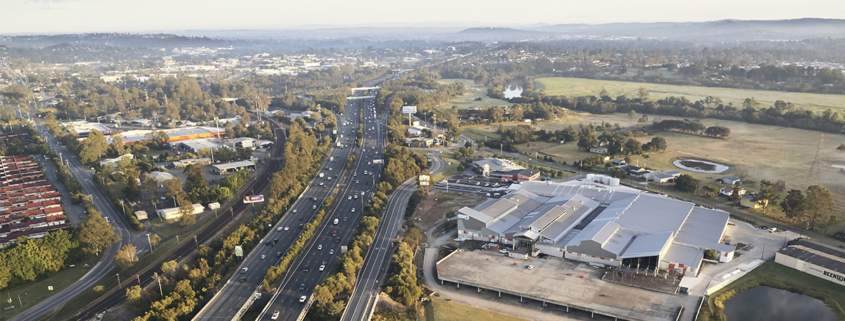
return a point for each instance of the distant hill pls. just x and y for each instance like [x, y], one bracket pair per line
[794, 29]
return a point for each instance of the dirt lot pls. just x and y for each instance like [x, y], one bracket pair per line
[438, 204]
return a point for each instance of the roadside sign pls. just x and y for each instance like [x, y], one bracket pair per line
[253, 199]
[239, 251]
[409, 109]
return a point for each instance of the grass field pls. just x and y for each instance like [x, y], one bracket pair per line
[761, 151]
[441, 310]
[35, 292]
[473, 91]
[584, 87]
[778, 276]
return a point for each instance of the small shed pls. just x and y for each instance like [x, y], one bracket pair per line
[729, 180]
[141, 215]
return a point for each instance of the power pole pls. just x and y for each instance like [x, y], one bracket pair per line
[816, 168]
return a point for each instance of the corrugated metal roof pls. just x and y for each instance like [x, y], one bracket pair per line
[653, 214]
[703, 228]
[647, 245]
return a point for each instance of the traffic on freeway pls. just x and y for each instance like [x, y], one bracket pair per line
[236, 293]
[376, 262]
[293, 296]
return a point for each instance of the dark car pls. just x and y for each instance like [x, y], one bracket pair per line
[276, 241]
[243, 279]
[302, 287]
[337, 239]
[307, 267]
[279, 254]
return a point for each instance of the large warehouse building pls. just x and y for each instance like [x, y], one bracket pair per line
[83, 128]
[814, 258]
[606, 225]
[505, 169]
[174, 135]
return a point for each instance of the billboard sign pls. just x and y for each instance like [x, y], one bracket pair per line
[253, 199]
[409, 109]
[424, 179]
[239, 251]
[334, 131]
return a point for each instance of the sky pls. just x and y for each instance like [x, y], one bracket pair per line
[74, 16]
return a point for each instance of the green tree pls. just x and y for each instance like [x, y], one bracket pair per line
[687, 183]
[195, 177]
[169, 267]
[95, 234]
[174, 189]
[117, 145]
[659, 143]
[768, 194]
[149, 186]
[125, 257]
[5, 272]
[643, 93]
[154, 239]
[633, 147]
[794, 204]
[818, 202]
[186, 208]
[93, 147]
[133, 294]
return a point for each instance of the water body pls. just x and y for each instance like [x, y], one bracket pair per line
[763, 303]
[700, 166]
[513, 91]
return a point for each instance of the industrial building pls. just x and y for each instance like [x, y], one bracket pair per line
[505, 169]
[113, 161]
[232, 167]
[601, 224]
[814, 258]
[174, 135]
[83, 128]
[173, 212]
[191, 161]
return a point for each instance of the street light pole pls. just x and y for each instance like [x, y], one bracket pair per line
[118, 280]
[150, 242]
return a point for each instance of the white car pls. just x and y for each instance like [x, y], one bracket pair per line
[331, 251]
[279, 229]
[287, 228]
[319, 247]
[353, 210]
[302, 299]
[263, 256]
[294, 210]
[349, 198]
[275, 315]
[322, 268]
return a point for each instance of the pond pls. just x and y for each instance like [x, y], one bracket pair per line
[700, 166]
[513, 91]
[770, 304]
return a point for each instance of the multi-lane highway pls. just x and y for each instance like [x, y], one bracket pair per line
[322, 252]
[378, 256]
[235, 294]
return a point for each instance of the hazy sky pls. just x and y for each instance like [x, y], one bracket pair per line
[61, 16]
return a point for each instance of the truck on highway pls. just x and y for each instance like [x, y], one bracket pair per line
[321, 175]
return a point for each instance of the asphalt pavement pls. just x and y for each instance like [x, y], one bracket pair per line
[237, 291]
[376, 262]
[293, 296]
[106, 263]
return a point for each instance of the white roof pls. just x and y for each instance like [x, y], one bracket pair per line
[647, 245]
[703, 228]
[234, 165]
